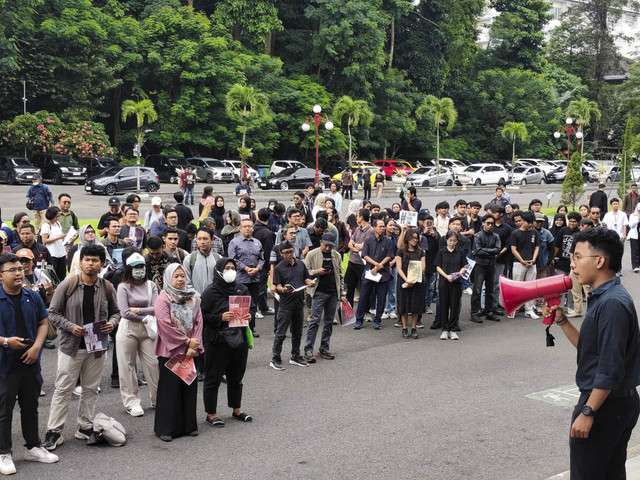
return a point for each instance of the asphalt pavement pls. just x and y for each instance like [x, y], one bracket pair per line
[494, 405]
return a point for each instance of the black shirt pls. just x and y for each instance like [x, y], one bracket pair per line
[450, 262]
[103, 219]
[185, 216]
[378, 249]
[88, 313]
[21, 328]
[525, 242]
[430, 244]
[327, 282]
[564, 241]
[504, 232]
[287, 274]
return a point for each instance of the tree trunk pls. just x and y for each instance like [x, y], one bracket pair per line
[437, 153]
[349, 132]
[392, 43]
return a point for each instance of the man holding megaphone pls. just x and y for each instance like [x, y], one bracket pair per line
[608, 345]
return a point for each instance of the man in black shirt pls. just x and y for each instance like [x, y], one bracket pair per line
[525, 244]
[486, 247]
[608, 347]
[504, 232]
[28, 240]
[113, 241]
[185, 215]
[599, 199]
[562, 259]
[132, 233]
[316, 231]
[114, 211]
[171, 217]
[429, 242]
[289, 275]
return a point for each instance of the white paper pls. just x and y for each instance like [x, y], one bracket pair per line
[408, 218]
[70, 234]
[468, 268]
[373, 277]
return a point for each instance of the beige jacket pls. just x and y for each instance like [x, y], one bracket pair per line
[313, 261]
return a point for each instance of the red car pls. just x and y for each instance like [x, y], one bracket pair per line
[389, 167]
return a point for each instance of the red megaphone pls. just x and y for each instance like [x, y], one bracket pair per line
[514, 294]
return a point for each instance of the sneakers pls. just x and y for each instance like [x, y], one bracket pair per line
[39, 454]
[201, 376]
[636, 270]
[77, 390]
[468, 291]
[357, 325]
[476, 319]
[393, 315]
[276, 365]
[367, 317]
[377, 326]
[492, 317]
[84, 433]
[269, 311]
[115, 383]
[419, 324]
[327, 355]
[454, 336]
[398, 324]
[6, 464]
[259, 315]
[531, 314]
[372, 311]
[309, 357]
[435, 326]
[444, 335]
[52, 440]
[573, 314]
[414, 333]
[299, 362]
[429, 311]
[405, 333]
[136, 411]
[499, 311]
[384, 316]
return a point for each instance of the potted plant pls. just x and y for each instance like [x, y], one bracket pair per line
[602, 172]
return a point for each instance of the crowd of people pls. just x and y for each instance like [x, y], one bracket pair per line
[161, 288]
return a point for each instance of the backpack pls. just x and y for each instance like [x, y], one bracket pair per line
[107, 429]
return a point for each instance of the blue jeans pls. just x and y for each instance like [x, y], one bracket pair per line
[327, 303]
[431, 291]
[380, 291]
[188, 192]
[391, 294]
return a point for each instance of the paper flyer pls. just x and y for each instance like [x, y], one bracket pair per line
[183, 367]
[239, 305]
[414, 271]
[95, 340]
[70, 234]
[408, 218]
[468, 268]
[370, 276]
[347, 317]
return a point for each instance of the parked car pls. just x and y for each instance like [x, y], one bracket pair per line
[167, 168]
[543, 165]
[525, 175]
[295, 178]
[560, 173]
[389, 167]
[486, 174]
[96, 165]
[279, 165]
[236, 165]
[122, 179]
[14, 170]
[332, 167]
[59, 168]
[426, 176]
[210, 170]
[456, 166]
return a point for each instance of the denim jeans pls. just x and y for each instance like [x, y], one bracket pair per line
[380, 291]
[326, 303]
[188, 193]
[391, 294]
[431, 292]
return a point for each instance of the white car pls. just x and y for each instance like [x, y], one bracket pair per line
[426, 177]
[486, 174]
[237, 170]
[456, 166]
[279, 165]
[543, 165]
[527, 175]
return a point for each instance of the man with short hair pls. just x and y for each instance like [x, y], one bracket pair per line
[460, 208]
[185, 215]
[42, 198]
[171, 217]
[23, 329]
[630, 201]
[114, 211]
[305, 211]
[316, 231]
[28, 240]
[441, 221]
[188, 181]
[113, 241]
[217, 245]
[80, 300]
[525, 246]
[616, 220]
[563, 248]
[325, 263]
[171, 237]
[302, 236]
[535, 206]
[266, 237]
[277, 218]
[504, 232]
[501, 197]
[411, 201]
[243, 188]
[486, 247]
[157, 261]
[347, 184]
[355, 265]
[132, 233]
[474, 221]
[67, 218]
[595, 216]
[599, 199]
[608, 357]
[200, 264]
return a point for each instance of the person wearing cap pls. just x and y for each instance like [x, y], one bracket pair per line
[153, 218]
[34, 279]
[325, 263]
[114, 211]
[42, 198]
[136, 299]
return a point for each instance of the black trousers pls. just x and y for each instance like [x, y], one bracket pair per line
[484, 274]
[347, 192]
[366, 191]
[114, 358]
[352, 279]
[450, 295]
[59, 265]
[289, 317]
[253, 291]
[218, 359]
[176, 404]
[603, 454]
[24, 382]
[262, 304]
[635, 253]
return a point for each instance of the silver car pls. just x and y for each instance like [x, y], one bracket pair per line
[211, 170]
[525, 175]
[426, 177]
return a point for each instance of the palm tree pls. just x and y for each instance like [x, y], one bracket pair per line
[142, 109]
[357, 112]
[443, 111]
[582, 110]
[242, 103]
[514, 130]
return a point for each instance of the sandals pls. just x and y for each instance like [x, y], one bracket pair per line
[243, 417]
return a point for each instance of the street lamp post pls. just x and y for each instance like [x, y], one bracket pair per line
[569, 129]
[317, 119]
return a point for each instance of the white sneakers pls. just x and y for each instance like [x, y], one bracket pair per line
[384, 316]
[454, 336]
[136, 411]
[393, 315]
[468, 291]
[531, 314]
[6, 465]
[259, 315]
[40, 454]
[573, 314]
[444, 335]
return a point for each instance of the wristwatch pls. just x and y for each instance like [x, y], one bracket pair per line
[587, 411]
[6, 342]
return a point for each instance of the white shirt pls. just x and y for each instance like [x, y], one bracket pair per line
[616, 221]
[634, 219]
[56, 249]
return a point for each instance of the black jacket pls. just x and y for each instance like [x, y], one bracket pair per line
[266, 237]
[485, 247]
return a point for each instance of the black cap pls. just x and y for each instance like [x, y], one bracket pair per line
[114, 201]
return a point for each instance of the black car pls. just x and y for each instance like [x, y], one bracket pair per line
[59, 168]
[294, 178]
[167, 167]
[96, 165]
[121, 179]
[331, 167]
[14, 170]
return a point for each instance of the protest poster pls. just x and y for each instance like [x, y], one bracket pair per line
[95, 340]
[408, 218]
[239, 305]
[183, 366]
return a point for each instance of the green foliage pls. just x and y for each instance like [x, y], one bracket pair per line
[514, 131]
[250, 21]
[357, 112]
[442, 111]
[626, 157]
[573, 186]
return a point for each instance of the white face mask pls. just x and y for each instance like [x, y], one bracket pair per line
[229, 276]
[139, 273]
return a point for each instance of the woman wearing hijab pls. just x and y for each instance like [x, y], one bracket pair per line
[179, 322]
[350, 219]
[245, 210]
[559, 222]
[86, 236]
[217, 213]
[319, 204]
[231, 228]
[221, 355]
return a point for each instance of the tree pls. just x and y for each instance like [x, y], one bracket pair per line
[242, 104]
[441, 110]
[582, 110]
[357, 112]
[253, 21]
[629, 145]
[573, 185]
[142, 110]
[515, 131]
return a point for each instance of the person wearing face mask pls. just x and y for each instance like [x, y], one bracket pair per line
[136, 299]
[220, 356]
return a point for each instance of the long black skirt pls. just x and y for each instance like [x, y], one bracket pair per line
[175, 405]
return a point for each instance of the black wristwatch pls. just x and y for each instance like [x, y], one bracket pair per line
[587, 411]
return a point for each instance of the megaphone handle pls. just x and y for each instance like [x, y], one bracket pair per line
[552, 302]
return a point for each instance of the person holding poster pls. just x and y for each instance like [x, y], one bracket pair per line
[179, 332]
[225, 303]
[410, 262]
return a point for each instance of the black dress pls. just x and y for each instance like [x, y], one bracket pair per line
[409, 300]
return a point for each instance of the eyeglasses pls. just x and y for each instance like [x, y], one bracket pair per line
[13, 270]
[290, 252]
[577, 258]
